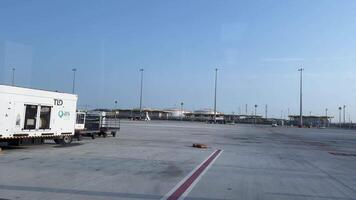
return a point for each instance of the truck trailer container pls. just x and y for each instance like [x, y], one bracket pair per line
[32, 114]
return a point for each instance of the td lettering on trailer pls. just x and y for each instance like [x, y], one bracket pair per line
[58, 102]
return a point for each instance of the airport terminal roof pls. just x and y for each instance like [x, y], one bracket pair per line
[310, 116]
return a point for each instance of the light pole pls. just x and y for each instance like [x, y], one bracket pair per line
[115, 109]
[255, 114]
[74, 70]
[281, 114]
[246, 109]
[282, 118]
[340, 116]
[13, 77]
[216, 84]
[141, 70]
[181, 111]
[301, 97]
[344, 111]
[326, 115]
[266, 110]
[288, 111]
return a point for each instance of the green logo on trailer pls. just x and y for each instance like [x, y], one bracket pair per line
[63, 114]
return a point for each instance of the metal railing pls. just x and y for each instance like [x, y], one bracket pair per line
[110, 122]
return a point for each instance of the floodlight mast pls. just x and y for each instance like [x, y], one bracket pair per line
[301, 97]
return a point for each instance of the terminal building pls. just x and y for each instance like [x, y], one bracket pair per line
[202, 115]
[311, 120]
[175, 113]
[247, 119]
[136, 113]
[205, 115]
[154, 114]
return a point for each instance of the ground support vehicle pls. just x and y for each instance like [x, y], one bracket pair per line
[32, 115]
[96, 123]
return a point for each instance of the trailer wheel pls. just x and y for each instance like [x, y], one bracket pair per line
[93, 136]
[104, 135]
[67, 139]
[64, 140]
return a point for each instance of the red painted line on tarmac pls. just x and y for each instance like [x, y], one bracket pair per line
[185, 186]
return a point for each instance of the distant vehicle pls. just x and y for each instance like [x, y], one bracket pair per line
[32, 115]
[143, 117]
[274, 125]
[95, 123]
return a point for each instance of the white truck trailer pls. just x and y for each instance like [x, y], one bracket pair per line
[31, 115]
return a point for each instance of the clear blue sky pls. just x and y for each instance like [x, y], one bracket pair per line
[257, 46]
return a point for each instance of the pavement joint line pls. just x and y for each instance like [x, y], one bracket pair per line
[183, 188]
[332, 177]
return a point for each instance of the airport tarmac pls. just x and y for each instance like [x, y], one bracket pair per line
[155, 160]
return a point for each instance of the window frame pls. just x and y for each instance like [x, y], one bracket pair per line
[49, 120]
[25, 118]
[83, 120]
[37, 117]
